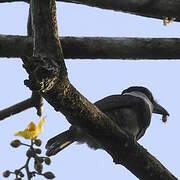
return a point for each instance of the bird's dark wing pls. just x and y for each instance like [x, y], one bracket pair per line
[116, 102]
[120, 101]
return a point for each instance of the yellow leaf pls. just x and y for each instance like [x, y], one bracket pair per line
[32, 131]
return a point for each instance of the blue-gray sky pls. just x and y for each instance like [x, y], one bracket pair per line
[94, 79]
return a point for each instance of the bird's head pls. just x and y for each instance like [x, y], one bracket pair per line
[142, 92]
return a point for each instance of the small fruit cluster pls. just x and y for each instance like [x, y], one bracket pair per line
[33, 153]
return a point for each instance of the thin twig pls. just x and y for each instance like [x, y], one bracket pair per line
[38, 102]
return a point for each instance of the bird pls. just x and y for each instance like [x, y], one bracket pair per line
[131, 111]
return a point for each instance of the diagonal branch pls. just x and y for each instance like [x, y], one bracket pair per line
[17, 108]
[34, 101]
[148, 8]
[98, 47]
[47, 73]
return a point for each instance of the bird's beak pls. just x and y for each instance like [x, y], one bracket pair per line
[158, 109]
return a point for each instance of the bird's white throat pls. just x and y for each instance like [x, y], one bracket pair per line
[142, 96]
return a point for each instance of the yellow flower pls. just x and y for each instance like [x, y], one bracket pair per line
[32, 131]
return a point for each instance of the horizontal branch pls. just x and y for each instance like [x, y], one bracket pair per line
[98, 47]
[148, 8]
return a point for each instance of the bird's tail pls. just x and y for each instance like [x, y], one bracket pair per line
[59, 142]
